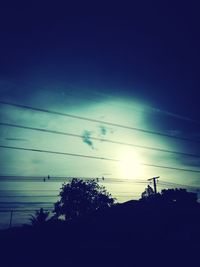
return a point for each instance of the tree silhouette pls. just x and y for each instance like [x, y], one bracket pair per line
[147, 192]
[179, 196]
[40, 217]
[80, 197]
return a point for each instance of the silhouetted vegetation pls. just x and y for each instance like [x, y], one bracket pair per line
[99, 233]
[147, 192]
[40, 217]
[79, 198]
[177, 196]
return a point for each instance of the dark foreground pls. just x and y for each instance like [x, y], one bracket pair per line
[130, 234]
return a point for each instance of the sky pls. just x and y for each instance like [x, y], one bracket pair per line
[127, 67]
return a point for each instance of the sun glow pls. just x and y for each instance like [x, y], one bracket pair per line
[129, 165]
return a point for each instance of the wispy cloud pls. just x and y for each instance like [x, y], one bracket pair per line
[189, 161]
[86, 137]
[103, 130]
[16, 139]
[177, 116]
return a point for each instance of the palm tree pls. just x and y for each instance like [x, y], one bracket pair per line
[40, 217]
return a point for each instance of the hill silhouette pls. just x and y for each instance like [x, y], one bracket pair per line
[135, 233]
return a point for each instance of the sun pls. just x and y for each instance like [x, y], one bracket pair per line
[129, 164]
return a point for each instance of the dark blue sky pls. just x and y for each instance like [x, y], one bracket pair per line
[149, 49]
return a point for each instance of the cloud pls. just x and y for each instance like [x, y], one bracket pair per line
[37, 161]
[103, 130]
[86, 137]
[16, 139]
[175, 132]
[171, 114]
[189, 161]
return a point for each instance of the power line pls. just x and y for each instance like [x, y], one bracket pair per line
[148, 109]
[30, 203]
[56, 196]
[32, 196]
[74, 176]
[99, 139]
[107, 179]
[58, 179]
[161, 183]
[171, 168]
[28, 190]
[178, 185]
[58, 153]
[94, 157]
[23, 210]
[98, 121]
[65, 178]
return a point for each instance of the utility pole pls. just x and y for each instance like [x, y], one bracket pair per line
[11, 216]
[154, 179]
